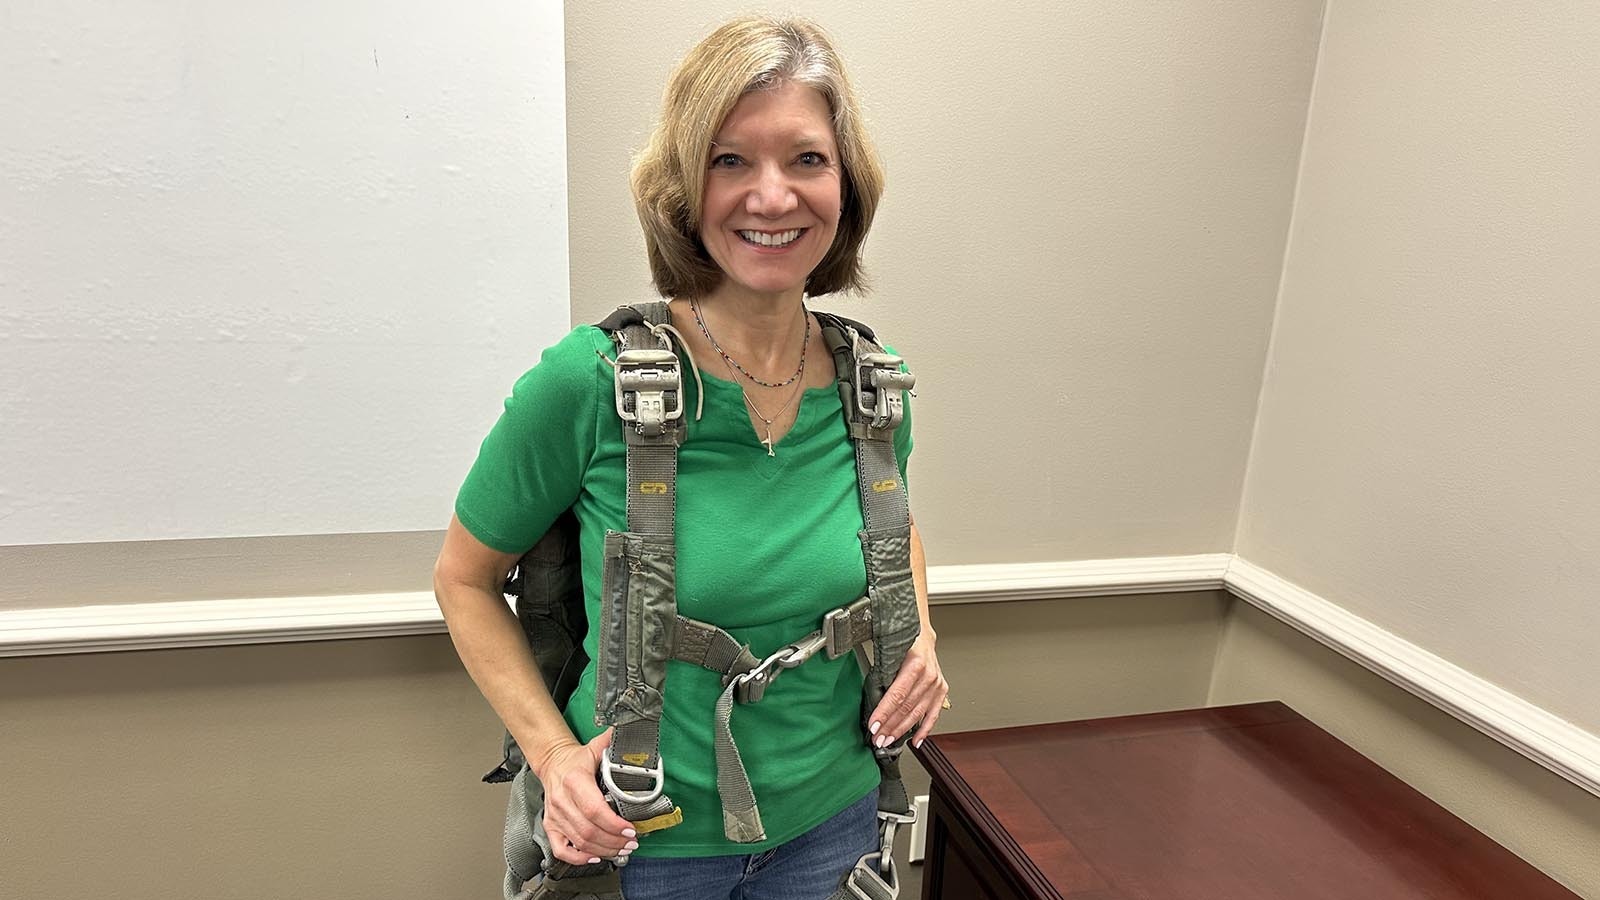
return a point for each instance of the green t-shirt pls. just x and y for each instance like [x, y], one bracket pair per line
[765, 546]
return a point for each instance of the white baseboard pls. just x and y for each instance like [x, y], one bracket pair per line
[1556, 744]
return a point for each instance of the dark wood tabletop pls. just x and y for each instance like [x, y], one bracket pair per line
[1250, 802]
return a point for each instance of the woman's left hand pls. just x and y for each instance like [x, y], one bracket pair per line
[917, 694]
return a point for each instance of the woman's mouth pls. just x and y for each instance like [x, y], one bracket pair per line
[772, 239]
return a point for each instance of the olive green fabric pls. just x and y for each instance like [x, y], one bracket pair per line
[765, 546]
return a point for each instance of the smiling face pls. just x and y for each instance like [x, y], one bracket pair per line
[772, 195]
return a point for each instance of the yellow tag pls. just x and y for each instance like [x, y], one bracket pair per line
[665, 820]
[880, 487]
[635, 759]
[652, 487]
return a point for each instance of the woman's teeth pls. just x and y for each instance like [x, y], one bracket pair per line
[763, 239]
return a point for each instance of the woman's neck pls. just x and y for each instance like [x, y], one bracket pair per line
[761, 330]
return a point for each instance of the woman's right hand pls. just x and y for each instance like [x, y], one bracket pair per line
[582, 826]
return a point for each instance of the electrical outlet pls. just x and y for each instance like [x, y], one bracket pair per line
[919, 830]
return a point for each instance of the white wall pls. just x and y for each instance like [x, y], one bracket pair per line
[1428, 448]
[268, 268]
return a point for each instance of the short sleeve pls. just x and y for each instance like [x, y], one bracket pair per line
[531, 466]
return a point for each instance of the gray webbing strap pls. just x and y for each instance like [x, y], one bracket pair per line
[745, 680]
[870, 386]
[883, 499]
[637, 598]
[709, 647]
[886, 540]
[635, 665]
[741, 820]
[653, 485]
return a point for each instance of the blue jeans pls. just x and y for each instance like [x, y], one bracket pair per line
[809, 867]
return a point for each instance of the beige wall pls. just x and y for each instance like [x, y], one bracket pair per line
[349, 769]
[1542, 817]
[1428, 448]
[344, 769]
[1078, 248]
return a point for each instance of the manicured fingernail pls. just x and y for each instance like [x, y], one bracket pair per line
[630, 847]
[623, 853]
[874, 728]
[593, 860]
[629, 832]
[917, 743]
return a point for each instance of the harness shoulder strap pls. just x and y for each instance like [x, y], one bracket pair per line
[871, 383]
[548, 586]
[638, 582]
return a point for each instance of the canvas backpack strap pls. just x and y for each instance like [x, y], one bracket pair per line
[638, 600]
[871, 385]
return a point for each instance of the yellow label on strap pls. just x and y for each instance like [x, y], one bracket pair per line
[665, 820]
[652, 487]
[635, 759]
[881, 487]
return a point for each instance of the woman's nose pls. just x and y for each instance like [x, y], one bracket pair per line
[772, 195]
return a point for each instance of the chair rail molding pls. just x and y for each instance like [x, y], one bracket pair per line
[1558, 745]
[1549, 740]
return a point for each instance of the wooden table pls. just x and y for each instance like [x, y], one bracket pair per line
[1246, 802]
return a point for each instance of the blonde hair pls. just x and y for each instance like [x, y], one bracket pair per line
[747, 54]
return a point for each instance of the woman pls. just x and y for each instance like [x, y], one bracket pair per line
[756, 189]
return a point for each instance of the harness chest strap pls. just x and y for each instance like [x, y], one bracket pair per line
[746, 680]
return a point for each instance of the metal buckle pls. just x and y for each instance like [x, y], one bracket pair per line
[802, 650]
[865, 881]
[751, 686]
[649, 387]
[658, 774]
[836, 628]
[879, 382]
[834, 638]
[890, 821]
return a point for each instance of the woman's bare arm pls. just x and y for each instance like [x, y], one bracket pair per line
[467, 581]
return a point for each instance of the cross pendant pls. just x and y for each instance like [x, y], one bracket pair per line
[767, 443]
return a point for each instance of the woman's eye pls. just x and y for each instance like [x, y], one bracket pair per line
[813, 158]
[724, 161]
